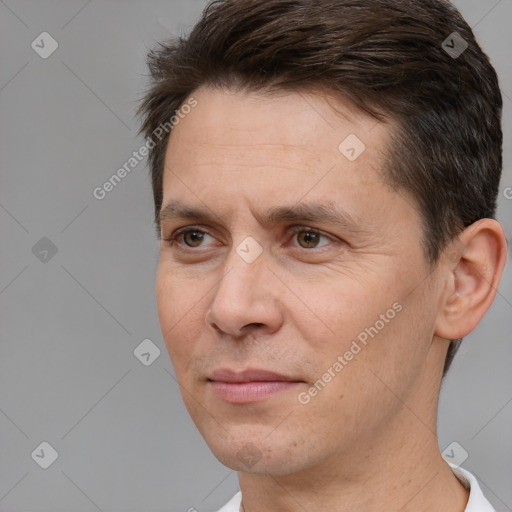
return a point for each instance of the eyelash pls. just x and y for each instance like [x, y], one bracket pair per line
[172, 240]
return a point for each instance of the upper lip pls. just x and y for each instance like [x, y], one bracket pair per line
[249, 375]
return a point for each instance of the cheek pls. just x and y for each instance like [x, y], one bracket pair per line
[367, 322]
[394, 339]
[179, 310]
[167, 304]
[338, 310]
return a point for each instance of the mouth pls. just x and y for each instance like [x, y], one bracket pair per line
[251, 385]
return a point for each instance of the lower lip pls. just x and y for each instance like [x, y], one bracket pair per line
[246, 392]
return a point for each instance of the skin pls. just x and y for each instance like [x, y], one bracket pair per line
[367, 441]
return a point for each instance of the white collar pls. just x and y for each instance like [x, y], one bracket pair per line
[477, 501]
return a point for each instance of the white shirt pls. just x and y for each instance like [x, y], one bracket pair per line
[476, 502]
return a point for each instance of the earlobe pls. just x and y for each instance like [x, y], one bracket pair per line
[474, 265]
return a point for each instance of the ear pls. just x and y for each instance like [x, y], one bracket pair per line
[474, 265]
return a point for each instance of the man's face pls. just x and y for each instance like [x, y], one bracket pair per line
[247, 291]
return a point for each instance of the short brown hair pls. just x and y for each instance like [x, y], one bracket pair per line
[390, 58]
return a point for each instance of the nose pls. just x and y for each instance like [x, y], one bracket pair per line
[246, 299]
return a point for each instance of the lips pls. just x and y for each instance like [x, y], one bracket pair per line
[250, 375]
[251, 385]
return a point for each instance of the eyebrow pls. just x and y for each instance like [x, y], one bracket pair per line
[302, 212]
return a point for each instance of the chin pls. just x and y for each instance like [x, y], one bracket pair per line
[255, 452]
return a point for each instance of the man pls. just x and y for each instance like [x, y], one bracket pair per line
[325, 175]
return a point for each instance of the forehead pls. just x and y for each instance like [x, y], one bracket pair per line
[304, 133]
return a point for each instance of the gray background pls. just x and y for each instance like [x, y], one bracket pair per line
[69, 326]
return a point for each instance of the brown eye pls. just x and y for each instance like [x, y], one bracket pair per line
[193, 238]
[187, 237]
[308, 239]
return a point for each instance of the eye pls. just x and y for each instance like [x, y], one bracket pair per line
[191, 237]
[309, 238]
